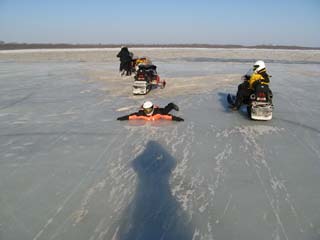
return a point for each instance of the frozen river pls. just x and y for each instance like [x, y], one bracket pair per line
[69, 170]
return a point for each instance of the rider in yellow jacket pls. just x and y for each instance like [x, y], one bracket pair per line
[258, 74]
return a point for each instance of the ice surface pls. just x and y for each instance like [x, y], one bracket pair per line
[69, 170]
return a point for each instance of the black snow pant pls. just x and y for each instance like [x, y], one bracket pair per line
[243, 94]
[166, 109]
[126, 66]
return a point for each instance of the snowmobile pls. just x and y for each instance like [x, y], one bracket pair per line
[259, 104]
[145, 79]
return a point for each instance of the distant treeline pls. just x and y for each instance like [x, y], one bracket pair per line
[15, 46]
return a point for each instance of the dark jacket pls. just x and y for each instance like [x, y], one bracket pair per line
[124, 55]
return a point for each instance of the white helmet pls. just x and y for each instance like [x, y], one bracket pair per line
[258, 66]
[148, 108]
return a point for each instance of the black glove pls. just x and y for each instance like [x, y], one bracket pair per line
[122, 118]
[179, 119]
[245, 78]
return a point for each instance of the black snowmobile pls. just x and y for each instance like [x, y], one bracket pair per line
[259, 103]
[145, 78]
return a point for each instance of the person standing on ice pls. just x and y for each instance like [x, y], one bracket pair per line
[150, 112]
[125, 61]
[258, 74]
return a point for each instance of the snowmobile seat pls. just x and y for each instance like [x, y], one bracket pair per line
[148, 67]
[263, 88]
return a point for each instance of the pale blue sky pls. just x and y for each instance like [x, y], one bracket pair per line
[282, 22]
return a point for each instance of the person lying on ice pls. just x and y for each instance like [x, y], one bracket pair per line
[258, 74]
[150, 112]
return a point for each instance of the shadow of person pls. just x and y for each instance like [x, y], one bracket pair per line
[224, 102]
[154, 213]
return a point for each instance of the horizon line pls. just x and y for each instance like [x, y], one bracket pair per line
[16, 45]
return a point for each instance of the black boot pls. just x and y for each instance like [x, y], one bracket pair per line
[236, 106]
[175, 107]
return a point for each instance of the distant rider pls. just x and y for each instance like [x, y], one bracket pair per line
[150, 112]
[125, 61]
[258, 74]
